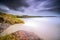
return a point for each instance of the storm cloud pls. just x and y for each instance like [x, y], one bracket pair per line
[14, 4]
[28, 6]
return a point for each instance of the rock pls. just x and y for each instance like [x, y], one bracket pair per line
[3, 26]
[10, 19]
[21, 35]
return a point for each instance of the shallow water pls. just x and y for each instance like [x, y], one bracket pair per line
[46, 28]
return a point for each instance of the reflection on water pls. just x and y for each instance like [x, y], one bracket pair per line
[46, 28]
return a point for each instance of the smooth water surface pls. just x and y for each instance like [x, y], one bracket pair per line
[46, 28]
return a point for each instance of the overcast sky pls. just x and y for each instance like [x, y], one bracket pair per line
[30, 7]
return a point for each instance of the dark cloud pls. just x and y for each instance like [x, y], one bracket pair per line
[39, 0]
[14, 4]
[49, 5]
[1, 10]
[54, 5]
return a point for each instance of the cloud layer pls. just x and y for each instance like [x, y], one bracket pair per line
[14, 4]
[28, 6]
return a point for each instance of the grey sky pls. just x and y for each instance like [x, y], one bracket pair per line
[30, 7]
